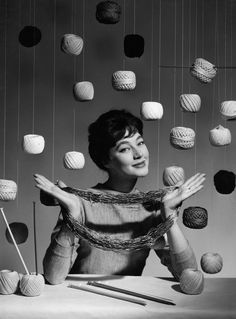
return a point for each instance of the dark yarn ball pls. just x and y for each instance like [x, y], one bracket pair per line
[108, 12]
[20, 233]
[224, 182]
[29, 36]
[195, 217]
[133, 45]
[47, 199]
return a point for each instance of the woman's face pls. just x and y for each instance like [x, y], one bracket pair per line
[129, 157]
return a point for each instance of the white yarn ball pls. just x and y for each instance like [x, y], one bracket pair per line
[124, 80]
[190, 102]
[33, 143]
[32, 285]
[72, 44]
[220, 136]
[83, 91]
[8, 190]
[191, 281]
[74, 160]
[151, 111]
[9, 281]
[182, 137]
[203, 70]
[173, 175]
[228, 109]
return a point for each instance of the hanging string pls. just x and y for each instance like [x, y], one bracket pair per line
[175, 60]
[231, 50]
[214, 82]
[203, 29]
[75, 68]
[182, 57]
[151, 64]
[33, 75]
[54, 88]
[124, 32]
[83, 34]
[189, 40]
[225, 72]
[159, 93]
[195, 114]
[134, 15]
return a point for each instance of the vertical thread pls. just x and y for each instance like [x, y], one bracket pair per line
[83, 32]
[123, 62]
[151, 64]
[33, 75]
[231, 50]
[5, 91]
[182, 58]
[174, 70]
[54, 89]
[189, 40]
[134, 16]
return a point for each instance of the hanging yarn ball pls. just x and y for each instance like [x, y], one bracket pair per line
[224, 182]
[48, 200]
[72, 44]
[74, 160]
[133, 45]
[173, 175]
[124, 80]
[9, 281]
[211, 263]
[108, 12]
[195, 217]
[83, 91]
[228, 110]
[32, 285]
[8, 190]
[191, 281]
[33, 143]
[203, 70]
[190, 102]
[29, 36]
[20, 233]
[220, 136]
[182, 137]
[151, 111]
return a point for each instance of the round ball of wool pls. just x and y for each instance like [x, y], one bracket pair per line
[203, 70]
[72, 44]
[29, 36]
[224, 182]
[8, 190]
[151, 111]
[211, 263]
[190, 102]
[195, 217]
[220, 136]
[9, 281]
[32, 285]
[83, 91]
[191, 281]
[182, 137]
[173, 175]
[133, 45]
[74, 160]
[20, 233]
[47, 199]
[228, 110]
[108, 12]
[124, 80]
[33, 143]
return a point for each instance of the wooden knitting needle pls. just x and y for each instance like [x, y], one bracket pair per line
[14, 242]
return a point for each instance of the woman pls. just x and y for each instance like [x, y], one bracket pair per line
[117, 146]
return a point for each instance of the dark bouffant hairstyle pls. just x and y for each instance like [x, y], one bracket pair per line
[109, 128]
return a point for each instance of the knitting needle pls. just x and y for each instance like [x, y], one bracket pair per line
[14, 242]
[132, 293]
[107, 293]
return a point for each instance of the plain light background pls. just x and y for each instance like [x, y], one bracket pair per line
[36, 97]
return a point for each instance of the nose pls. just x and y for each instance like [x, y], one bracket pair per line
[137, 153]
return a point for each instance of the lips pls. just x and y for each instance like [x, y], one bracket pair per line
[140, 165]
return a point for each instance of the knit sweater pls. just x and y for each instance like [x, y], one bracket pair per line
[70, 254]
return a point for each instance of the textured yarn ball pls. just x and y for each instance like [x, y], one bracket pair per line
[211, 263]
[190, 102]
[72, 44]
[108, 12]
[8, 190]
[20, 233]
[9, 282]
[224, 182]
[220, 136]
[182, 137]
[191, 281]
[203, 70]
[195, 217]
[133, 45]
[32, 285]
[228, 110]
[173, 175]
[151, 111]
[33, 143]
[74, 160]
[29, 36]
[124, 80]
[83, 91]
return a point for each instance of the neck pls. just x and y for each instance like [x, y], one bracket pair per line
[120, 185]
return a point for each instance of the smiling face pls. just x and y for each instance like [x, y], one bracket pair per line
[129, 158]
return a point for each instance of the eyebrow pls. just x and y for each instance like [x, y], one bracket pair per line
[123, 141]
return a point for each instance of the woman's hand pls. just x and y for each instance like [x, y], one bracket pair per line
[69, 201]
[173, 199]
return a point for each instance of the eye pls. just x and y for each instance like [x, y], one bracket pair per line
[124, 150]
[141, 142]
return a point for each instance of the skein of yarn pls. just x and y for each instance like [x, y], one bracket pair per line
[20, 232]
[33, 143]
[74, 160]
[224, 182]
[151, 111]
[190, 102]
[29, 36]
[211, 263]
[203, 70]
[8, 190]
[195, 217]
[72, 44]
[83, 91]
[32, 285]
[9, 281]
[182, 137]
[133, 45]
[228, 110]
[108, 12]
[191, 281]
[220, 136]
[124, 80]
[173, 175]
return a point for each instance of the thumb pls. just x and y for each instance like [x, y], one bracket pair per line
[60, 184]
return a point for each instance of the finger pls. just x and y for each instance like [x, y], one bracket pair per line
[197, 178]
[61, 184]
[190, 193]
